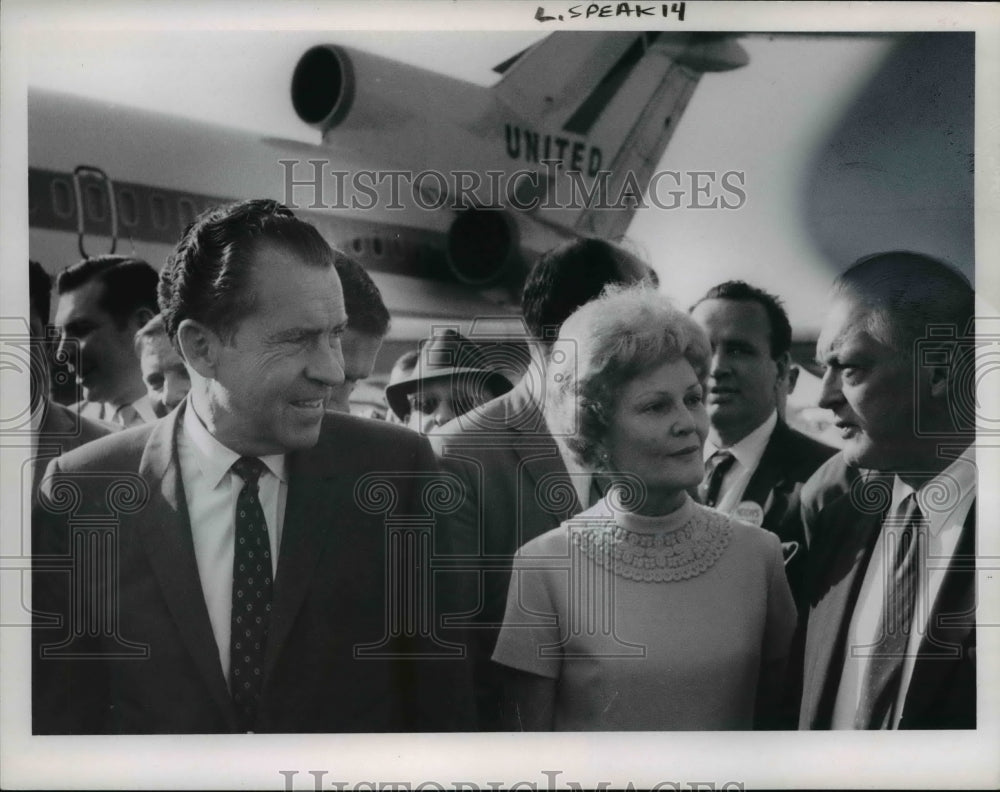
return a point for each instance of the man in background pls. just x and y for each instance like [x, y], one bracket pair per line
[367, 326]
[755, 464]
[450, 377]
[55, 428]
[890, 641]
[163, 370]
[103, 302]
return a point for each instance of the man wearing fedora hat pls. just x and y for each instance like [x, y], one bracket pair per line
[509, 463]
[451, 377]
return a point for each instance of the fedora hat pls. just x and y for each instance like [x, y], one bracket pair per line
[446, 354]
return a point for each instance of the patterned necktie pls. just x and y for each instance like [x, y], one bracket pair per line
[715, 470]
[251, 593]
[885, 669]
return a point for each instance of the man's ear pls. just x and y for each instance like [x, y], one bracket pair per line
[783, 362]
[939, 381]
[141, 316]
[199, 346]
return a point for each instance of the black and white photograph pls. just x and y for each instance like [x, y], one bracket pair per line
[480, 395]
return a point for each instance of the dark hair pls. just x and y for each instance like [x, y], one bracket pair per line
[570, 276]
[908, 292]
[129, 284]
[205, 277]
[153, 329]
[781, 328]
[39, 290]
[366, 312]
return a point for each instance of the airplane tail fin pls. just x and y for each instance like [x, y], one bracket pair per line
[605, 102]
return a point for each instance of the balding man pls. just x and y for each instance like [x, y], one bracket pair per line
[890, 641]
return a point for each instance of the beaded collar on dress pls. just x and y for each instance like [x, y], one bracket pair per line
[675, 546]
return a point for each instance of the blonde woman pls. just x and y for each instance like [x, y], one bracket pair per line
[647, 611]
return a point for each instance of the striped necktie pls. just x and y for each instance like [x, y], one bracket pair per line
[880, 689]
[715, 471]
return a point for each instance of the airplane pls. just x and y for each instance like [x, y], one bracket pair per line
[891, 166]
[486, 178]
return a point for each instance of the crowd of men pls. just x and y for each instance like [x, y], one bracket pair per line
[261, 532]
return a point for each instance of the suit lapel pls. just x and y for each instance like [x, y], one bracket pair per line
[851, 538]
[952, 619]
[165, 531]
[541, 462]
[320, 492]
[770, 473]
[55, 424]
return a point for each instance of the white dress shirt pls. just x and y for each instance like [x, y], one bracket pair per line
[944, 501]
[210, 490]
[747, 453]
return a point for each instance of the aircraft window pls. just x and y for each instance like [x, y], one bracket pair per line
[377, 246]
[187, 212]
[62, 198]
[356, 244]
[128, 210]
[395, 246]
[159, 206]
[94, 203]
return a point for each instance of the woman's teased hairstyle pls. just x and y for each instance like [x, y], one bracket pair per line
[626, 331]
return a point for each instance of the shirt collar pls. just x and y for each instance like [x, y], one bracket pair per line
[750, 449]
[940, 496]
[213, 458]
[144, 407]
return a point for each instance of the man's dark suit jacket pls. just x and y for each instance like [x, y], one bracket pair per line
[843, 511]
[336, 654]
[789, 459]
[62, 429]
[517, 487]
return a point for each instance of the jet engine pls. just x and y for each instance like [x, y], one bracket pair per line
[482, 246]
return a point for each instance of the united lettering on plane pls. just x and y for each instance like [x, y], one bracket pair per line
[530, 146]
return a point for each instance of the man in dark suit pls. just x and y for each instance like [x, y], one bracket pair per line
[890, 638]
[755, 463]
[367, 327]
[103, 303]
[229, 565]
[57, 429]
[519, 481]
